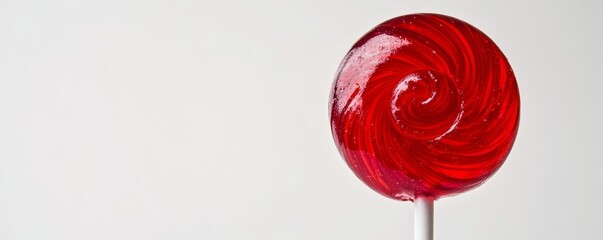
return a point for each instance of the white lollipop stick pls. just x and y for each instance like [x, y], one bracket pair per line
[424, 218]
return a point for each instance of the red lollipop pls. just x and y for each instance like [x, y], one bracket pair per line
[424, 106]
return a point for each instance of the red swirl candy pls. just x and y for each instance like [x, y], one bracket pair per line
[424, 105]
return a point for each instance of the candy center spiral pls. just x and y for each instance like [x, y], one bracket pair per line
[426, 105]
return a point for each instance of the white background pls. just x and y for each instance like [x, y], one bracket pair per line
[208, 120]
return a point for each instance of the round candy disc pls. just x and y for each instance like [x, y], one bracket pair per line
[424, 105]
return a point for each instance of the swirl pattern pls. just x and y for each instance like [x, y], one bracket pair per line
[424, 105]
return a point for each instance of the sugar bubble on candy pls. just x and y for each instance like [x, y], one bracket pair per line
[424, 106]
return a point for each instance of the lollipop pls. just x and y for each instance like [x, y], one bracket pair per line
[424, 106]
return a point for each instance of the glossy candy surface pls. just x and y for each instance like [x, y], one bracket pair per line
[424, 105]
